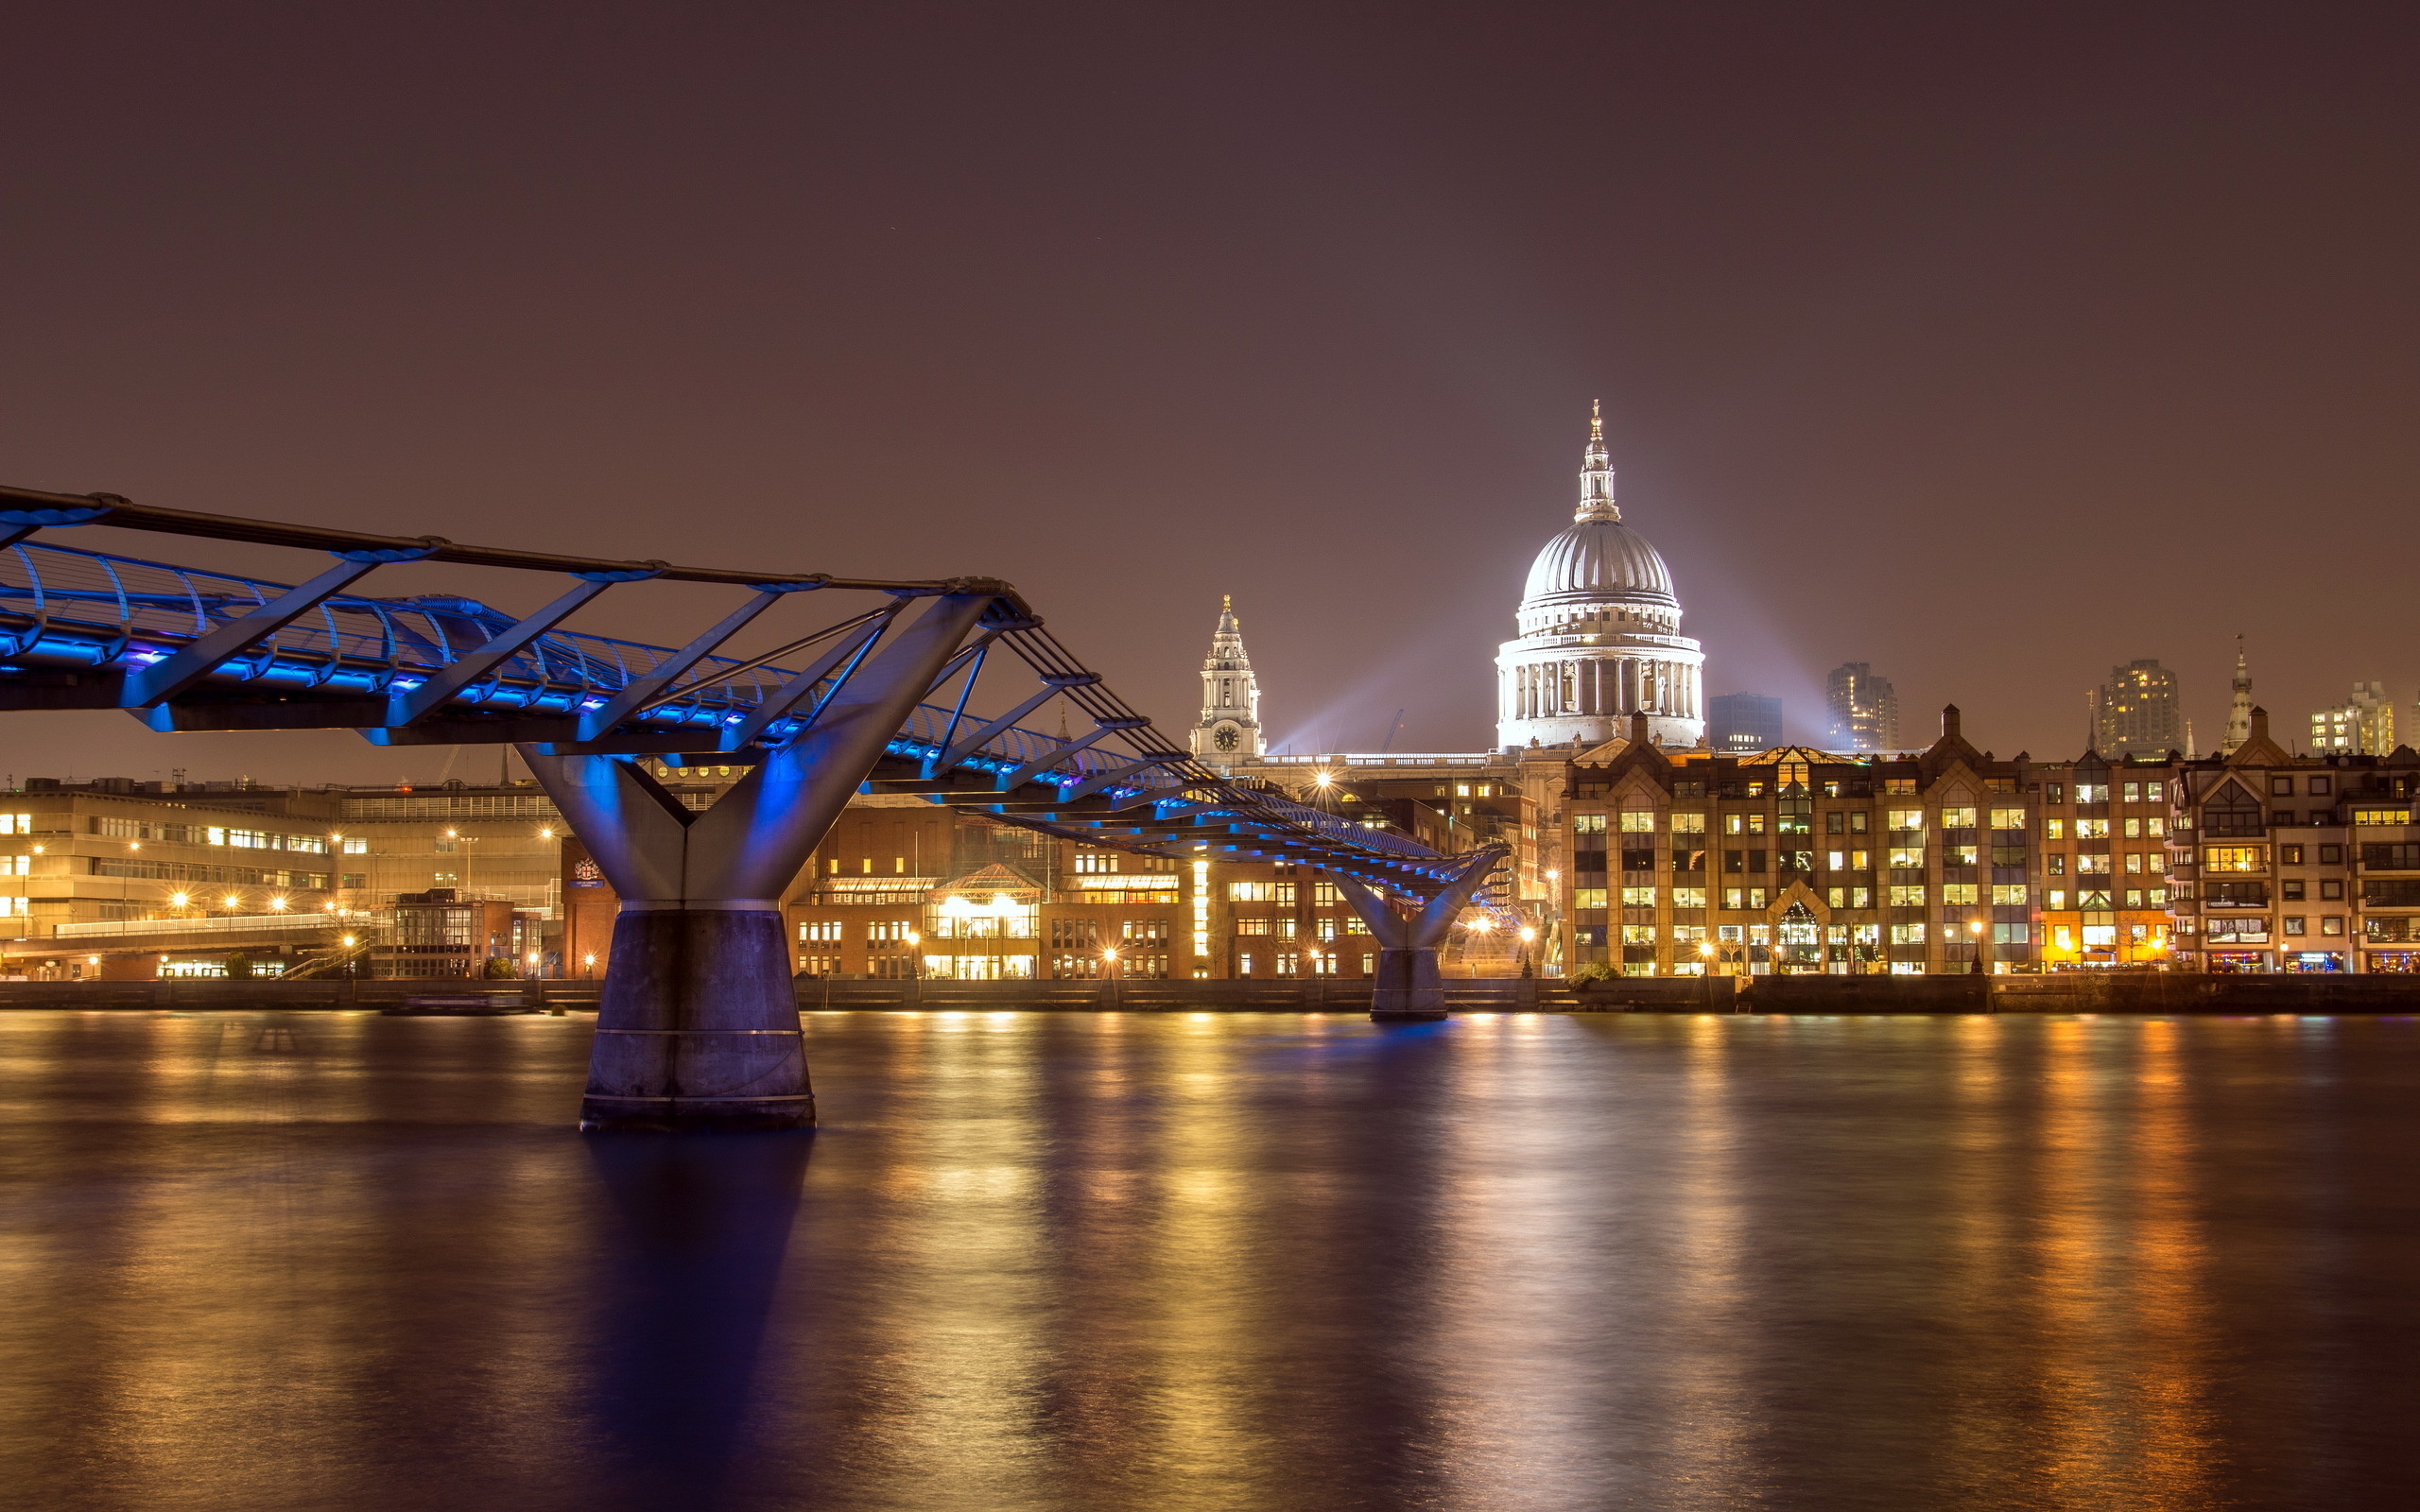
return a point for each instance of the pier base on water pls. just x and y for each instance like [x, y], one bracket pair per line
[697, 1027]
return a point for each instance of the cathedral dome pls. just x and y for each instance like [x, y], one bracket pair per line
[1601, 637]
[1600, 559]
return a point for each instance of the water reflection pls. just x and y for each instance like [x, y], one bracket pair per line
[1083, 1261]
[689, 1260]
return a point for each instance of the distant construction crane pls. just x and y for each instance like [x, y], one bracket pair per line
[1393, 730]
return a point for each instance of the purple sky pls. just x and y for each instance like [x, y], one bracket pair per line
[1991, 346]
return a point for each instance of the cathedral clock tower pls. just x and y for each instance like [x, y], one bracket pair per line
[1230, 728]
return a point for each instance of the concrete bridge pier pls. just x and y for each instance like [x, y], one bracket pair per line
[1408, 987]
[698, 1024]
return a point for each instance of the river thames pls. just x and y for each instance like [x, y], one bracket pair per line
[1241, 1260]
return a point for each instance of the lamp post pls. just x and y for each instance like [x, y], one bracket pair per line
[1528, 938]
[1974, 927]
[1705, 955]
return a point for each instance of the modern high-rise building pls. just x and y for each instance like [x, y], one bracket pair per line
[1741, 723]
[1228, 730]
[2136, 711]
[1864, 710]
[2364, 723]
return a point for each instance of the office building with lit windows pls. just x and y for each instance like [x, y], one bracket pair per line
[2363, 723]
[1863, 709]
[1741, 724]
[2135, 712]
[1796, 860]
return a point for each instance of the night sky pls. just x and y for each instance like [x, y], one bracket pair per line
[1991, 346]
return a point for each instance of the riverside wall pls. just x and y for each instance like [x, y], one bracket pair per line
[2164, 992]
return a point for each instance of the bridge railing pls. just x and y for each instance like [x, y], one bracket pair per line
[65, 607]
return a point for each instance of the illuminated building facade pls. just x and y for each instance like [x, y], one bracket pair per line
[1229, 729]
[1600, 634]
[1863, 709]
[2287, 862]
[2136, 713]
[177, 880]
[2363, 723]
[901, 890]
[1799, 861]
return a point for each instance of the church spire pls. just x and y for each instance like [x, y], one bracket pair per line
[2239, 707]
[1597, 473]
[1228, 730]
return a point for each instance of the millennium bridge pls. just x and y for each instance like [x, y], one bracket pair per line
[698, 1024]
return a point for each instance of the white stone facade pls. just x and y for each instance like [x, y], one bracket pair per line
[1228, 730]
[1600, 635]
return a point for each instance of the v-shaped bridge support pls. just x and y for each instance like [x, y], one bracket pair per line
[1409, 986]
[699, 1025]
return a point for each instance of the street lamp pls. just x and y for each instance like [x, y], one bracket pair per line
[1705, 955]
[1974, 927]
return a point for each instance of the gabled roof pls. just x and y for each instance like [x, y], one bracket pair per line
[997, 876]
[1950, 750]
[1621, 757]
[2259, 750]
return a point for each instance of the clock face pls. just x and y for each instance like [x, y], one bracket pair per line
[1226, 738]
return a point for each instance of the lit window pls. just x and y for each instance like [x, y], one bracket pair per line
[1907, 934]
[1689, 897]
[2092, 829]
[1958, 819]
[2233, 858]
[1639, 821]
[1907, 896]
[1688, 824]
[1638, 897]
[2008, 819]
[1587, 897]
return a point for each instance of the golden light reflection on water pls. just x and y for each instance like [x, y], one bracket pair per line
[1060, 1260]
[2119, 1284]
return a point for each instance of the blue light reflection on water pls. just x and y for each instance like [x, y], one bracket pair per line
[1058, 1261]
